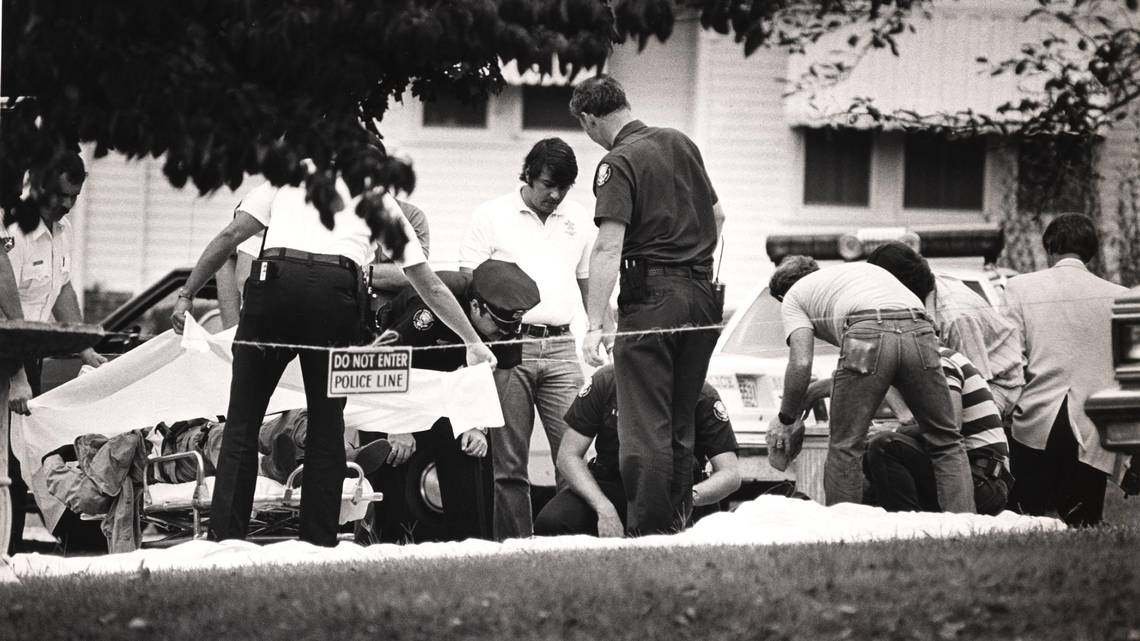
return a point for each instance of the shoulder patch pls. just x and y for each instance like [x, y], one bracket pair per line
[585, 391]
[720, 411]
[423, 320]
[603, 175]
[8, 243]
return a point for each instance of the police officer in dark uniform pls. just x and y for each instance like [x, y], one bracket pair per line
[658, 223]
[495, 296]
[596, 494]
[305, 289]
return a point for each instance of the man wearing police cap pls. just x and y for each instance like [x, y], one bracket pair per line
[495, 296]
[658, 220]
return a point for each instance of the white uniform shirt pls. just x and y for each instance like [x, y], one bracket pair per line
[554, 253]
[41, 261]
[293, 223]
[822, 300]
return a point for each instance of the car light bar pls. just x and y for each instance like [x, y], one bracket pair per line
[935, 241]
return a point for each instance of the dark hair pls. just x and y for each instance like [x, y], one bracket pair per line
[906, 265]
[553, 154]
[1071, 234]
[598, 96]
[69, 164]
[790, 271]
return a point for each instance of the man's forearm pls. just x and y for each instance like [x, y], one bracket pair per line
[9, 292]
[66, 308]
[211, 260]
[582, 483]
[796, 380]
[604, 263]
[441, 301]
[718, 485]
[388, 276]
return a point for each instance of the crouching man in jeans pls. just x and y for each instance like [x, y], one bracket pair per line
[885, 339]
[595, 502]
[898, 467]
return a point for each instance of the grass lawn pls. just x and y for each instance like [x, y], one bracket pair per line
[1061, 585]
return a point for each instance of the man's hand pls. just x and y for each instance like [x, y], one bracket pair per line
[178, 316]
[609, 523]
[473, 442]
[90, 357]
[784, 442]
[20, 393]
[403, 446]
[479, 353]
[590, 348]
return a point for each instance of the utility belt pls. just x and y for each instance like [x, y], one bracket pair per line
[635, 273]
[265, 268]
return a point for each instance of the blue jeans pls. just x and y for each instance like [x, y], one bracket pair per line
[548, 378]
[881, 349]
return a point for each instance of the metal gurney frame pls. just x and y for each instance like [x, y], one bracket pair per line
[272, 513]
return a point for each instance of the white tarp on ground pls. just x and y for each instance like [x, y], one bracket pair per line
[767, 520]
[172, 378]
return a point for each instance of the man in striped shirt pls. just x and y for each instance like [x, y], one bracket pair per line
[898, 467]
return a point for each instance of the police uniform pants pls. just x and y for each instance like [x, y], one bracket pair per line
[659, 377]
[33, 368]
[301, 303]
[568, 513]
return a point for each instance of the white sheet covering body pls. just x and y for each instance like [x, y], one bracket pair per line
[171, 378]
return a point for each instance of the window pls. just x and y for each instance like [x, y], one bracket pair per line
[942, 173]
[547, 108]
[448, 111]
[837, 167]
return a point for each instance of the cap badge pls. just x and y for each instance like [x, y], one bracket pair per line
[604, 173]
[8, 243]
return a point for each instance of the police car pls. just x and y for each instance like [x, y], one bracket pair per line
[1116, 411]
[748, 363]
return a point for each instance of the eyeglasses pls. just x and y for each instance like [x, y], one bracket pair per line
[510, 326]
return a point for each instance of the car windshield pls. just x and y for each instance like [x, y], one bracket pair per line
[760, 332]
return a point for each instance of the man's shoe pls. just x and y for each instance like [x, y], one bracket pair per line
[371, 457]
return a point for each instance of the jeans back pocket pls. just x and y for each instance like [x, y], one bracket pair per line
[926, 343]
[860, 353]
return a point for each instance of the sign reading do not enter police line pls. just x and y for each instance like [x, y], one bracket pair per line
[374, 370]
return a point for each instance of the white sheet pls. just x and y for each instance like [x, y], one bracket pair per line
[171, 378]
[765, 521]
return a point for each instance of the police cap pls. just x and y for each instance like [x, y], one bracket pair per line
[505, 288]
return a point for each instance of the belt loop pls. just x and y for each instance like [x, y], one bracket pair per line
[913, 314]
[879, 315]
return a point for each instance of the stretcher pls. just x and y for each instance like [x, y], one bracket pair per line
[180, 511]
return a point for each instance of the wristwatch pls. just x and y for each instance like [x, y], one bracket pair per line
[185, 293]
[785, 419]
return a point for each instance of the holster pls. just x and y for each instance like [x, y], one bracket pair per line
[718, 296]
[632, 282]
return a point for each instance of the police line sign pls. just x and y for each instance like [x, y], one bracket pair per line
[378, 370]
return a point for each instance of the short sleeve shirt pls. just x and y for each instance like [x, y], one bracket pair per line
[418, 326]
[594, 414]
[257, 199]
[822, 300]
[554, 252]
[41, 261]
[654, 181]
[294, 223]
[967, 323]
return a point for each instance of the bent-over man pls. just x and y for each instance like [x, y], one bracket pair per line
[885, 338]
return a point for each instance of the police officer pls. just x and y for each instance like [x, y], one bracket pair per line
[304, 290]
[595, 501]
[496, 295]
[658, 219]
[35, 284]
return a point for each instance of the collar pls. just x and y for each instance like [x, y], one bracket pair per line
[630, 128]
[42, 229]
[523, 208]
[1071, 262]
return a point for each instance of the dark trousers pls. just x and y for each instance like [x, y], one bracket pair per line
[568, 513]
[901, 478]
[464, 484]
[659, 378]
[302, 303]
[1054, 479]
[33, 368]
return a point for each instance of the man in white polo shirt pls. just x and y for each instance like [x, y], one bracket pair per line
[550, 240]
[303, 290]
